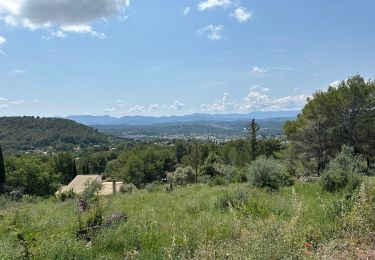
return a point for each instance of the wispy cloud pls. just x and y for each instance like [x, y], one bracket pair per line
[16, 72]
[109, 110]
[2, 40]
[212, 32]
[256, 70]
[153, 107]
[209, 4]
[186, 11]
[5, 103]
[241, 14]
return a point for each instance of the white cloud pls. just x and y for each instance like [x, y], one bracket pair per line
[5, 103]
[177, 105]
[109, 110]
[2, 40]
[256, 100]
[212, 32]
[220, 106]
[136, 109]
[153, 107]
[120, 103]
[49, 14]
[241, 14]
[82, 28]
[209, 4]
[335, 84]
[59, 34]
[256, 70]
[186, 11]
[16, 72]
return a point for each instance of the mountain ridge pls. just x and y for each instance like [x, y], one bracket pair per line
[150, 120]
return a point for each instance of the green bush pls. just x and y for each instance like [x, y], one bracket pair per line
[344, 172]
[128, 188]
[184, 176]
[268, 173]
[234, 200]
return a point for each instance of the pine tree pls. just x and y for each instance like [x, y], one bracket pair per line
[2, 172]
[252, 130]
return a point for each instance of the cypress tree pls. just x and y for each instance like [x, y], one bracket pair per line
[2, 172]
[74, 169]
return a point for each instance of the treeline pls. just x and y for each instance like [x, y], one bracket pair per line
[333, 136]
[343, 115]
[19, 134]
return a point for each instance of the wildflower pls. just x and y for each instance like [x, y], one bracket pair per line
[307, 244]
[307, 252]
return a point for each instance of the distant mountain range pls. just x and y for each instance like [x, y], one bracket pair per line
[151, 120]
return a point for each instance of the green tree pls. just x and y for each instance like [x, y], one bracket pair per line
[252, 130]
[65, 167]
[342, 115]
[180, 151]
[2, 172]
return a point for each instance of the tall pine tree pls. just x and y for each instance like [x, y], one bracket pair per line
[252, 131]
[2, 172]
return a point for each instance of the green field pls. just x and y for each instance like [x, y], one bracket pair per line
[197, 222]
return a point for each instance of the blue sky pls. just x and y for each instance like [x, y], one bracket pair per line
[138, 57]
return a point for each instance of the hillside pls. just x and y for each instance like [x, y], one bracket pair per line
[196, 222]
[34, 133]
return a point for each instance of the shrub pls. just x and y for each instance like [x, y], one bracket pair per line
[344, 172]
[268, 173]
[128, 188]
[91, 190]
[184, 176]
[63, 196]
[152, 187]
[234, 200]
[219, 181]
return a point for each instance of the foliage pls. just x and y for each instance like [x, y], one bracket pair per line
[184, 176]
[35, 133]
[252, 134]
[33, 174]
[63, 196]
[2, 172]
[190, 224]
[142, 164]
[267, 173]
[91, 191]
[341, 115]
[65, 166]
[128, 188]
[344, 171]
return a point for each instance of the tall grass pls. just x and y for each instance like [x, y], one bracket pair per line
[192, 222]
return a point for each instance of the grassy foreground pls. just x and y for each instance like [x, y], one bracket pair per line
[198, 222]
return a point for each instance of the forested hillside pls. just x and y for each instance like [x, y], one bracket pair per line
[33, 133]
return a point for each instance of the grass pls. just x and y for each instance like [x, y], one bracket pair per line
[193, 222]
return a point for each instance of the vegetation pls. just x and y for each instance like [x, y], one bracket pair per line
[341, 116]
[345, 171]
[268, 173]
[2, 172]
[46, 134]
[197, 222]
[309, 192]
